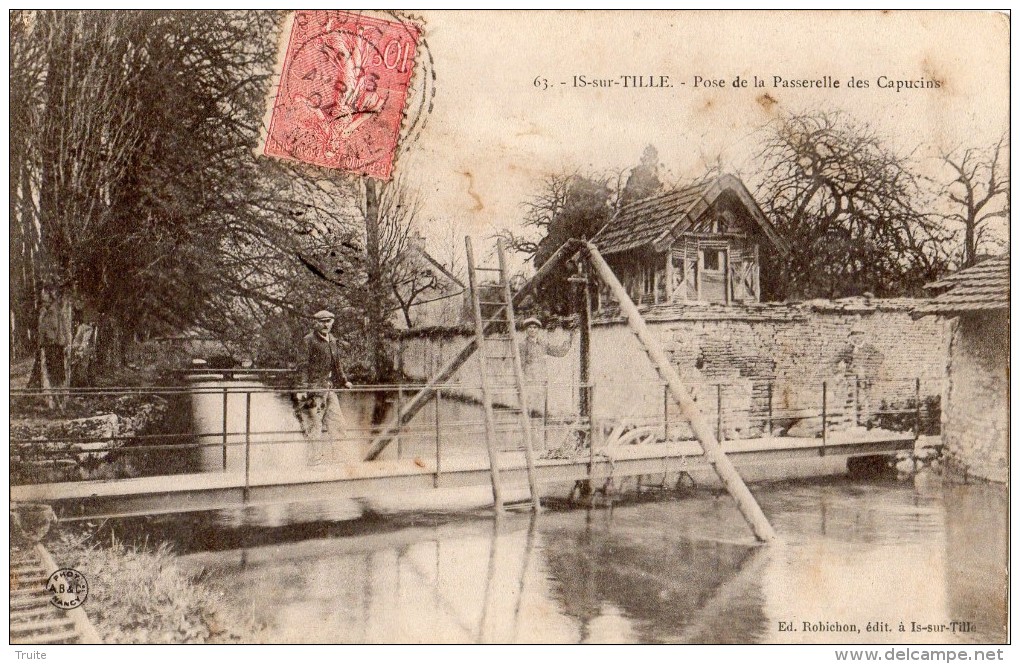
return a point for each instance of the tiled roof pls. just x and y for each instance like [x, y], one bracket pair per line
[983, 287]
[641, 222]
[648, 221]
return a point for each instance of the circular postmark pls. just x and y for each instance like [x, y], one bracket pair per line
[68, 588]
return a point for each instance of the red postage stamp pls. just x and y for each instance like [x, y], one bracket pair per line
[343, 85]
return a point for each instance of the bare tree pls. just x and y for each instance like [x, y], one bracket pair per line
[411, 274]
[851, 208]
[540, 212]
[979, 192]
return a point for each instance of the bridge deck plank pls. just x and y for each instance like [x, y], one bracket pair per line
[375, 476]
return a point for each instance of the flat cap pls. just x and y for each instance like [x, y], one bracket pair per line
[528, 322]
[324, 315]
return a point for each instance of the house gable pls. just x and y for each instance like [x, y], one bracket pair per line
[655, 222]
[699, 243]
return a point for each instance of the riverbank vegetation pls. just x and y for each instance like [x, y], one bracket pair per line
[139, 594]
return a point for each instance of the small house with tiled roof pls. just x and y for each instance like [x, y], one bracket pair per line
[975, 433]
[698, 243]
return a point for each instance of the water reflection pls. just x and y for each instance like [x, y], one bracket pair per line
[662, 589]
[977, 547]
[679, 571]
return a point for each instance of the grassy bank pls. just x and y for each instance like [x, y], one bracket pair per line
[139, 594]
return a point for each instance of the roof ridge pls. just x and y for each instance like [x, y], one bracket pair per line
[676, 191]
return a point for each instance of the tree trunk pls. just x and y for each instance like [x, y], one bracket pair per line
[376, 316]
[969, 250]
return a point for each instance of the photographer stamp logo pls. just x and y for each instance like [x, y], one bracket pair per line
[343, 86]
[68, 587]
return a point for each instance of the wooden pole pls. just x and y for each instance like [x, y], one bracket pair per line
[825, 418]
[669, 275]
[439, 400]
[584, 371]
[917, 408]
[400, 400]
[757, 277]
[857, 401]
[545, 416]
[376, 299]
[224, 428]
[718, 413]
[714, 454]
[665, 412]
[727, 277]
[415, 404]
[247, 445]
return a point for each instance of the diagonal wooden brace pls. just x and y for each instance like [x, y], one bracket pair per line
[567, 251]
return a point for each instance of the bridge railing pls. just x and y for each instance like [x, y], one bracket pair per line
[106, 433]
[248, 427]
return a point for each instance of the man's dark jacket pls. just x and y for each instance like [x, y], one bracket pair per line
[321, 367]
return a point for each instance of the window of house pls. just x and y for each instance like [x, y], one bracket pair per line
[711, 259]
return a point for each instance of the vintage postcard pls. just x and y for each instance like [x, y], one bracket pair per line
[510, 327]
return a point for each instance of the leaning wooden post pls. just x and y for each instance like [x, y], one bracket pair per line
[688, 408]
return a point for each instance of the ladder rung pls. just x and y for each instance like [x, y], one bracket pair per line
[487, 269]
[501, 304]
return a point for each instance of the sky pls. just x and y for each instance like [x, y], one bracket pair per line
[493, 135]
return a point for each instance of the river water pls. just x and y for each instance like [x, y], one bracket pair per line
[658, 567]
[662, 570]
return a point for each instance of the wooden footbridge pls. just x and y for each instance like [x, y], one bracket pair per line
[212, 490]
[595, 462]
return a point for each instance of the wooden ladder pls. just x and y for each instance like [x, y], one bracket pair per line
[501, 312]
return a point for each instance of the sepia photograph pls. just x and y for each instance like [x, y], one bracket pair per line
[340, 326]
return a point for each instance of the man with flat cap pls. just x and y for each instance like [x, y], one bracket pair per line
[322, 373]
[533, 351]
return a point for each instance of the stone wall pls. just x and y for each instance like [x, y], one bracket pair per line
[976, 429]
[420, 356]
[867, 352]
